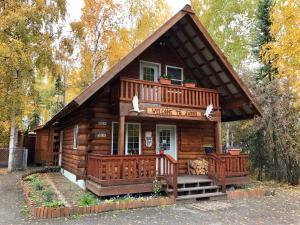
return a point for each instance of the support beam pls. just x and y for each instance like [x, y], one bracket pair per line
[121, 135]
[218, 136]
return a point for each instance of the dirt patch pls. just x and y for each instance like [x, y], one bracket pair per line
[70, 191]
[3, 171]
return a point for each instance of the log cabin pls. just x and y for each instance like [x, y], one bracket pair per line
[131, 125]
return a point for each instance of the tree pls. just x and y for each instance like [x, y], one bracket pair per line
[94, 32]
[231, 25]
[26, 37]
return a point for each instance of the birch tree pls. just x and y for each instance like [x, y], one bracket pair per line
[26, 37]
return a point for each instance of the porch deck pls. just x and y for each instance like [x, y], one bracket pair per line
[117, 175]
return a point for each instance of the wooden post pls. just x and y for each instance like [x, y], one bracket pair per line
[218, 137]
[121, 135]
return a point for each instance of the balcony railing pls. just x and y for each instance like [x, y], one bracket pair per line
[169, 95]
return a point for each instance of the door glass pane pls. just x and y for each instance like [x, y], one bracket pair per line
[133, 139]
[165, 139]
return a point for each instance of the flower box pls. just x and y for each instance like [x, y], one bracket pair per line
[234, 151]
[189, 85]
[164, 81]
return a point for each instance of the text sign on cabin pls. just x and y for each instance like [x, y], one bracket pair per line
[159, 111]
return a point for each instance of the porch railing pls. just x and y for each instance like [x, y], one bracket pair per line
[216, 170]
[132, 168]
[172, 95]
[222, 166]
[235, 165]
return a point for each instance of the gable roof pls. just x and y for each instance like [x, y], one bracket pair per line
[197, 50]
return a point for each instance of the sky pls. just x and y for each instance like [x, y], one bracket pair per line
[74, 7]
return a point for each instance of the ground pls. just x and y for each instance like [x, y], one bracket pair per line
[283, 208]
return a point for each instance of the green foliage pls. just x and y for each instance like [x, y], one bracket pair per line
[54, 204]
[39, 184]
[48, 194]
[189, 81]
[231, 25]
[156, 187]
[88, 199]
[165, 76]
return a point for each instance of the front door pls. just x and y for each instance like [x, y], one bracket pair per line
[166, 139]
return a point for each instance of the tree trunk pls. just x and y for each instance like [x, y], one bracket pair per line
[12, 142]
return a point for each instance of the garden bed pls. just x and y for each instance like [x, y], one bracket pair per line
[45, 201]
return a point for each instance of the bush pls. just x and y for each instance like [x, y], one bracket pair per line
[48, 195]
[54, 204]
[156, 187]
[39, 185]
[88, 199]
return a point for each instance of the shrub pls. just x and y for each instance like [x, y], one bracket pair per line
[39, 185]
[156, 187]
[54, 204]
[48, 194]
[88, 199]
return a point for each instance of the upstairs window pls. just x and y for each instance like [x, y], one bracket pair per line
[75, 137]
[176, 74]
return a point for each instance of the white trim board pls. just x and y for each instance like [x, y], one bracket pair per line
[72, 177]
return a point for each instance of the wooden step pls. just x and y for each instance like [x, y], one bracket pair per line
[119, 189]
[198, 196]
[212, 187]
[193, 180]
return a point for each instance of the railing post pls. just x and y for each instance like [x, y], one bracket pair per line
[175, 180]
[222, 175]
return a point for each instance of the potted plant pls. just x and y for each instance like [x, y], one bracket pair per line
[234, 150]
[208, 148]
[165, 79]
[161, 151]
[189, 83]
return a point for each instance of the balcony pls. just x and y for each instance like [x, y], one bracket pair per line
[165, 95]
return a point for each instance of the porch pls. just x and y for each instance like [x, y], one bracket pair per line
[117, 175]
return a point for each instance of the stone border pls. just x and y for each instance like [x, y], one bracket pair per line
[245, 194]
[46, 212]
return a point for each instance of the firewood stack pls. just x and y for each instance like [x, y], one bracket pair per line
[197, 167]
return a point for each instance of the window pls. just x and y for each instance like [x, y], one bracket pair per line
[176, 74]
[75, 137]
[115, 135]
[149, 71]
[165, 139]
[133, 139]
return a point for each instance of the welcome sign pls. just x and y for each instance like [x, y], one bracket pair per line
[160, 111]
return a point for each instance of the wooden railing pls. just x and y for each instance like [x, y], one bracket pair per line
[216, 170]
[222, 166]
[132, 168]
[235, 165]
[172, 95]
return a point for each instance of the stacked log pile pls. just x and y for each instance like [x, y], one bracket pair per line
[197, 167]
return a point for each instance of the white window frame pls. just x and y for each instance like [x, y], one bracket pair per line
[112, 137]
[175, 67]
[126, 137]
[75, 136]
[142, 63]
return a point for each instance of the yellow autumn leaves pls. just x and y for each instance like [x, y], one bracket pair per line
[284, 51]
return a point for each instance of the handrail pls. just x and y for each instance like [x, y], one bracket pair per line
[216, 169]
[168, 95]
[107, 169]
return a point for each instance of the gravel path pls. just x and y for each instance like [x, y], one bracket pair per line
[283, 208]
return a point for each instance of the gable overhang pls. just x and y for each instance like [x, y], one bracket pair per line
[195, 48]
